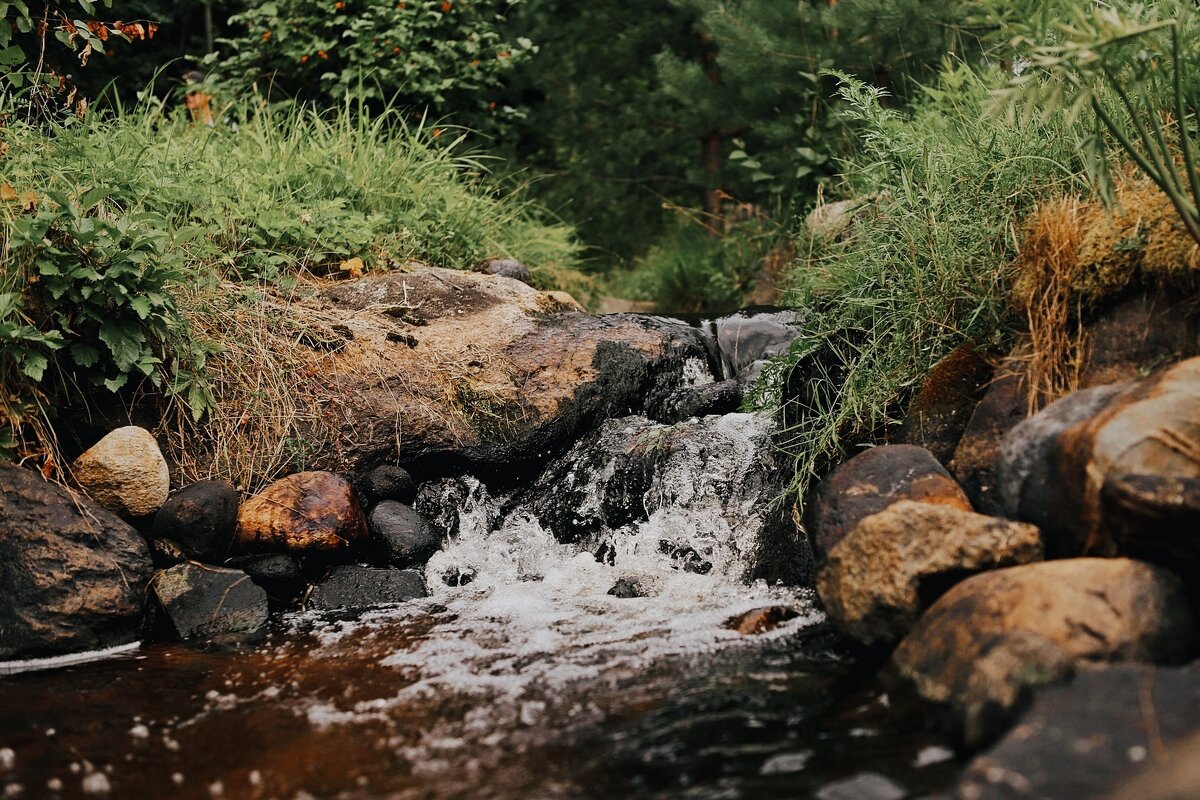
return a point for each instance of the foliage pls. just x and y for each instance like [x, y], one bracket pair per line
[926, 270]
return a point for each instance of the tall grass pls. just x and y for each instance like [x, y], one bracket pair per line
[924, 267]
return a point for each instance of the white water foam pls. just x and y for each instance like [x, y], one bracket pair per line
[70, 659]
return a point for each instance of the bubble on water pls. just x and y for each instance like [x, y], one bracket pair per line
[8, 758]
[785, 763]
[96, 783]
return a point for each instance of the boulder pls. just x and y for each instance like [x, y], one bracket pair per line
[1137, 334]
[406, 537]
[211, 603]
[991, 638]
[388, 482]
[743, 342]
[870, 482]
[1156, 518]
[1089, 738]
[698, 401]
[976, 459]
[125, 472]
[505, 267]
[73, 575]
[938, 414]
[200, 518]
[353, 587]
[893, 565]
[1027, 453]
[302, 513]
[279, 575]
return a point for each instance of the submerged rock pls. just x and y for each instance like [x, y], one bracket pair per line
[354, 587]
[406, 537]
[125, 472]
[991, 638]
[211, 603]
[870, 482]
[893, 565]
[305, 512]
[201, 519]
[73, 575]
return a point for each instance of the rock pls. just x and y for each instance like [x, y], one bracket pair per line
[1084, 739]
[1174, 775]
[388, 483]
[742, 342]
[166, 553]
[1152, 429]
[279, 575]
[1027, 454]
[443, 502]
[459, 576]
[563, 301]
[864, 786]
[1156, 518]
[687, 402]
[201, 519]
[829, 221]
[761, 620]
[626, 588]
[305, 512]
[1138, 334]
[407, 537]
[363, 587]
[125, 472]
[505, 267]
[987, 641]
[937, 416]
[211, 603]
[976, 460]
[893, 565]
[715, 480]
[872, 481]
[73, 575]
[495, 385]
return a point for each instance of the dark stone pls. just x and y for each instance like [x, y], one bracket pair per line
[685, 558]
[1140, 334]
[280, 575]
[1082, 740]
[388, 483]
[626, 588]
[201, 518]
[73, 576]
[698, 401]
[166, 553]
[872, 481]
[976, 460]
[440, 502]
[363, 587]
[457, 576]
[938, 414]
[211, 603]
[505, 267]
[606, 554]
[407, 538]
[1156, 518]
[746, 340]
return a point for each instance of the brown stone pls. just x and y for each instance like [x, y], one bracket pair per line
[872, 481]
[939, 413]
[761, 620]
[1029, 624]
[125, 472]
[880, 578]
[1138, 334]
[1174, 774]
[305, 512]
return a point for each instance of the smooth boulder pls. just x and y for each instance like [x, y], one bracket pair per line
[309, 512]
[873, 480]
[200, 519]
[405, 536]
[388, 482]
[893, 565]
[125, 472]
[211, 603]
[355, 587]
[993, 637]
[73, 575]
[279, 574]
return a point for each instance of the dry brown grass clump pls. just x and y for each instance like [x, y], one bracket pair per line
[1077, 256]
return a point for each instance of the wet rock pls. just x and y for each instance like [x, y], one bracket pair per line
[388, 482]
[125, 472]
[211, 603]
[937, 416]
[976, 460]
[166, 553]
[1153, 430]
[1027, 451]
[73, 575]
[872, 481]
[407, 538]
[505, 267]
[685, 558]
[302, 513]
[1084, 739]
[459, 576]
[1173, 775]
[626, 588]
[746, 340]
[200, 518]
[893, 565]
[279, 575]
[716, 479]
[990, 639]
[687, 402]
[444, 502]
[864, 786]
[356, 587]
[761, 620]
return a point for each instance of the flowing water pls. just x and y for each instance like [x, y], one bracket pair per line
[529, 671]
